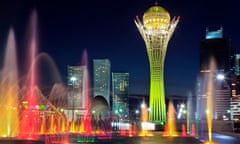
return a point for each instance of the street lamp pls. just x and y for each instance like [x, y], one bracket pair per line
[220, 77]
[73, 79]
[137, 112]
[223, 85]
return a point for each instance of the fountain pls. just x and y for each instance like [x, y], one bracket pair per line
[83, 123]
[170, 127]
[9, 109]
[87, 114]
[144, 121]
[30, 117]
[183, 130]
[193, 130]
[24, 109]
[209, 93]
[29, 113]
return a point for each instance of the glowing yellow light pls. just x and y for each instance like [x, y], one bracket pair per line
[156, 17]
[25, 102]
[209, 142]
[207, 111]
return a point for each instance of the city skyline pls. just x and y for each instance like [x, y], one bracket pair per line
[107, 30]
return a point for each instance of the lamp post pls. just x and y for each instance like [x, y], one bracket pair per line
[73, 79]
[220, 76]
[224, 85]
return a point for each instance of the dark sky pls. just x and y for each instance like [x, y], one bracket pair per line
[106, 29]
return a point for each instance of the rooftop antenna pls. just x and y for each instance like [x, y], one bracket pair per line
[206, 29]
[221, 27]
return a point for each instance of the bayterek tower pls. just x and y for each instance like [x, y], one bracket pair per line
[156, 29]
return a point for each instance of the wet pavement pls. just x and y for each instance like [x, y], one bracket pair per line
[218, 138]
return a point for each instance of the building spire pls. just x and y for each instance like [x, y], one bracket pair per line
[206, 29]
[221, 28]
[156, 3]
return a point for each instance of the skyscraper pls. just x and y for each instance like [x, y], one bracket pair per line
[156, 31]
[235, 88]
[237, 64]
[77, 90]
[120, 87]
[215, 47]
[102, 77]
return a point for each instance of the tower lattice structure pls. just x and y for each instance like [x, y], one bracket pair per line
[156, 30]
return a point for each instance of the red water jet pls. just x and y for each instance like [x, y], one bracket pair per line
[193, 130]
[183, 130]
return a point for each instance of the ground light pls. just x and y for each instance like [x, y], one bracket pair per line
[210, 142]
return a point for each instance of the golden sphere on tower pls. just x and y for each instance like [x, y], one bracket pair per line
[156, 17]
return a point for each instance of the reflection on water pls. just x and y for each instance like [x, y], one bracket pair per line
[107, 139]
[21, 142]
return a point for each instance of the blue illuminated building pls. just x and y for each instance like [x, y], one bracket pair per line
[214, 34]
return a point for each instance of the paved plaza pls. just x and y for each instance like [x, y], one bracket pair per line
[218, 138]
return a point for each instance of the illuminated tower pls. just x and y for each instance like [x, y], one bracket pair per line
[156, 30]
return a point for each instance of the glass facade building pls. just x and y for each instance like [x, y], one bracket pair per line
[77, 87]
[235, 85]
[217, 47]
[102, 77]
[120, 89]
[214, 48]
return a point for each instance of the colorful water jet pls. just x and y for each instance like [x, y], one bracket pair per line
[23, 106]
[193, 130]
[87, 121]
[29, 127]
[184, 130]
[26, 112]
[144, 121]
[81, 98]
[209, 93]
[170, 127]
[9, 95]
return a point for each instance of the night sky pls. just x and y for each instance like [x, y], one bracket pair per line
[106, 29]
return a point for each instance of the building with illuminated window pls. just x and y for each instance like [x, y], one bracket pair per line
[237, 64]
[77, 86]
[235, 87]
[217, 47]
[102, 78]
[120, 89]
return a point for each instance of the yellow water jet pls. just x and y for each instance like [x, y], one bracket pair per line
[210, 88]
[144, 120]
[170, 127]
